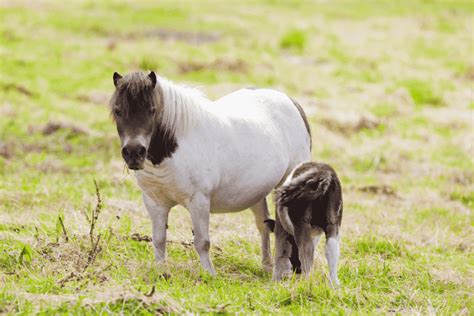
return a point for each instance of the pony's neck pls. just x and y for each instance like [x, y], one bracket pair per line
[183, 107]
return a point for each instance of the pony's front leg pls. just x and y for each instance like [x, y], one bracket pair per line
[159, 219]
[199, 207]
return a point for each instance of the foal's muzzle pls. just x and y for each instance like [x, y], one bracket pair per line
[134, 155]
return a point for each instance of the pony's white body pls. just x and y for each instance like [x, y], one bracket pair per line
[246, 145]
[230, 156]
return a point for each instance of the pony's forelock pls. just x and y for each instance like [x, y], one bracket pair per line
[179, 107]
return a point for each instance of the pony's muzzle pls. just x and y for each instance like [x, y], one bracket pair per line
[134, 155]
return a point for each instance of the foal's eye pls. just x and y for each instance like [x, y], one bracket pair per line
[152, 111]
[117, 112]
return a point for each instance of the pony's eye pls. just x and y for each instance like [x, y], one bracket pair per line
[152, 111]
[117, 112]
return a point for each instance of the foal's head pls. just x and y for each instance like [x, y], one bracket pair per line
[135, 104]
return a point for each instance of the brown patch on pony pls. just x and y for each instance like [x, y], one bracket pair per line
[162, 146]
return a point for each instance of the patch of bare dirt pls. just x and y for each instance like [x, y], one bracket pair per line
[350, 123]
[147, 238]
[139, 237]
[19, 88]
[299, 60]
[52, 166]
[18, 148]
[401, 96]
[194, 38]
[183, 36]
[448, 276]
[95, 97]
[465, 177]
[112, 295]
[7, 110]
[218, 64]
[379, 189]
[53, 127]
[124, 206]
[6, 150]
[469, 73]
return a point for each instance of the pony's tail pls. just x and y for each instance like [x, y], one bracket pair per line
[300, 190]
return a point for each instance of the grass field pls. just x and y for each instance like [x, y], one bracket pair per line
[388, 87]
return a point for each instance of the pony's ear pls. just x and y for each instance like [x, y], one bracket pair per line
[117, 78]
[152, 77]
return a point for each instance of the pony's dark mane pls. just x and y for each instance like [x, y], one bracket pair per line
[178, 107]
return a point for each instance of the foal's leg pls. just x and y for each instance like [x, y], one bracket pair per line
[199, 207]
[332, 256]
[260, 211]
[159, 218]
[305, 242]
[283, 251]
[305, 246]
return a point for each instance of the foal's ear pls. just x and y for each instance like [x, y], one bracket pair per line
[152, 77]
[117, 77]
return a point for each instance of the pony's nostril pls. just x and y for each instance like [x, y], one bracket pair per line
[125, 152]
[141, 151]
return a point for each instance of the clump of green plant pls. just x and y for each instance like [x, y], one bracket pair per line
[294, 39]
[148, 63]
[422, 93]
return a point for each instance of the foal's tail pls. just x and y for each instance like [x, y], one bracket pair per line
[301, 190]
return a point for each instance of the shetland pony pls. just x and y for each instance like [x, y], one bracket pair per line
[209, 156]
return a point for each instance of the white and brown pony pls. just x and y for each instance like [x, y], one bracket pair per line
[209, 156]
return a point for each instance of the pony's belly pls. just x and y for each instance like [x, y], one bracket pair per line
[228, 201]
[222, 206]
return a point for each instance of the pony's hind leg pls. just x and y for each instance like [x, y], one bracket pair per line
[260, 211]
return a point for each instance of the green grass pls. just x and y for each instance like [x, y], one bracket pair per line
[422, 92]
[388, 91]
[295, 39]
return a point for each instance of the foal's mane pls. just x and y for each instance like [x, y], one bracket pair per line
[179, 107]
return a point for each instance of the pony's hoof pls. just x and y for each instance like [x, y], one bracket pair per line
[160, 261]
[267, 267]
[335, 284]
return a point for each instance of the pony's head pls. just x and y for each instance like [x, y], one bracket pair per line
[135, 106]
